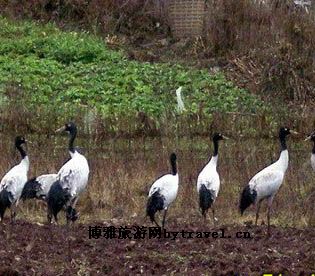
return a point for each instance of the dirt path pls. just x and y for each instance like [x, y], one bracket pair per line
[57, 250]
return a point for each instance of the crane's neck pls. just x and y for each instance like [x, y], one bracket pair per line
[283, 142]
[284, 160]
[213, 161]
[73, 135]
[215, 147]
[174, 167]
[313, 150]
[25, 161]
[284, 155]
[22, 151]
[214, 158]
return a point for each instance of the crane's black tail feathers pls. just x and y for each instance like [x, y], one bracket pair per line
[248, 197]
[155, 203]
[30, 190]
[206, 199]
[57, 198]
[6, 199]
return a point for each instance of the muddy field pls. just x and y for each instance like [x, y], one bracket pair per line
[33, 249]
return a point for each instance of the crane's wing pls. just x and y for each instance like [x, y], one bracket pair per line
[163, 184]
[13, 184]
[267, 182]
[45, 181]
[66, 178]
[167, 186]
[210, 180]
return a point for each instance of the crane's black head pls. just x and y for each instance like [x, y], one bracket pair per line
[72, 129]
[218, 136]
[19, 140]
[69, 127]
[284, 131]
[311, 137]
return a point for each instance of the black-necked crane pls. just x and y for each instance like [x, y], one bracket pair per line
[312, 138]
[163, 192]
[208, 182]
[71, 181]
[12, 183]
[266, 183]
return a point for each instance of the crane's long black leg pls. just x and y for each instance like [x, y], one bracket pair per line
[270, 199]
[257, 212]
[164, 217]
[56, 219]
[13, 214]
[13, 211]
[204, 216]
[213, 216]
[71, 214]
[268, 220]
[74, 202]
[49, 217]
[156, 223]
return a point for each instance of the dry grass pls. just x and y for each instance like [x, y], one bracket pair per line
[136, 17]
[268, 47]
[122, 171]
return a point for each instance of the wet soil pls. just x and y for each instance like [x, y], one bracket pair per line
[34, 249]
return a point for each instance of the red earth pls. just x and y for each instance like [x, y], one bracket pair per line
[33, 249]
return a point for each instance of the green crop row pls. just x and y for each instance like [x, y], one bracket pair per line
[63, 70]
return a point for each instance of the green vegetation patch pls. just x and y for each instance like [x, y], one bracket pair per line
[67, 70]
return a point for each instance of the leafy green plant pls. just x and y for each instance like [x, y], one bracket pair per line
[66, 71]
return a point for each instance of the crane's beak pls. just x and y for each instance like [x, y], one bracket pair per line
[308, 138]
[225, 137]
[63, 128]
[28, 141]
[294, 132]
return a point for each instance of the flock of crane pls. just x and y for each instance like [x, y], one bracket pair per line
[264, 185]
[62, 190]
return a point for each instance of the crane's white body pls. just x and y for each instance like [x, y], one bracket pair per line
[209, 177]
[73, 175]
[14, 180]
[166, 186]
[45, 181]
[268, 181]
